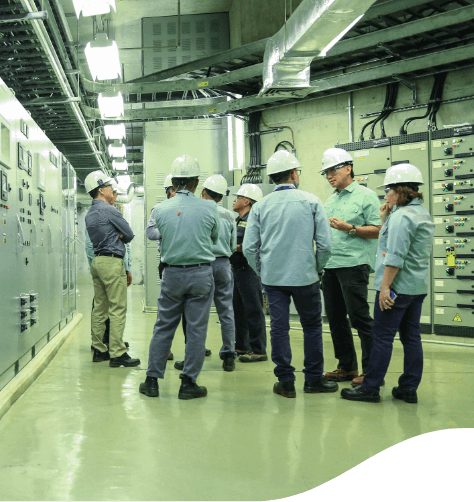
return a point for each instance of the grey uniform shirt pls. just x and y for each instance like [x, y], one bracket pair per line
[104, 225]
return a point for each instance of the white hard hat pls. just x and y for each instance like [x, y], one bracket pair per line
[402, 173]
[96, 179]
[335, 157]
[168, 183]
[185, 167]
[250, 191]
[216, 183]
[282, 161]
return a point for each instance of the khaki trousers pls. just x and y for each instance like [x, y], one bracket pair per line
[110, 301]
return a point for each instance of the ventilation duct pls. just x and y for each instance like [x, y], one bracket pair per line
[311, 31]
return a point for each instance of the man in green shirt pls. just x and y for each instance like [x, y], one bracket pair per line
[353, 212]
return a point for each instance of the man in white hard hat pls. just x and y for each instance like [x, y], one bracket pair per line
[108, 232]
[214, 188]
[126, 260]
[250, 329]
[189, 227]
[353, 212]
[282, 231]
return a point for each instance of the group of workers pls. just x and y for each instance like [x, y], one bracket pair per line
[290, 245]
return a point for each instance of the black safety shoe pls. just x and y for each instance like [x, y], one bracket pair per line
[99, 356]
[408, 395]
[208, 352]
[124, 360]
[285, 389]
[179, 365]
[321, 384]
[360, 394]
[229, 362]
[150, 387]
[190, 390]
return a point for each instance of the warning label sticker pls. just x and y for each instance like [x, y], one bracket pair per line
[457, 318]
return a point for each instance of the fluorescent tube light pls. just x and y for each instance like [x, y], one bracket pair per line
[93, 7]
[120, 165]
[111, 105]
[117, 150]
[103, 58]
[115, 131]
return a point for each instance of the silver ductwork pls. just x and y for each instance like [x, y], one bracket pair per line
[311, 31]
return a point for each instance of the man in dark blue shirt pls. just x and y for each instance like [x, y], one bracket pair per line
[108, 232]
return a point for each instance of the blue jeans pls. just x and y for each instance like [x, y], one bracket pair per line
[404, 317]
[307, 301]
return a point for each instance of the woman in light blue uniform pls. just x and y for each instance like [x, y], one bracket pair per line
[401, 281]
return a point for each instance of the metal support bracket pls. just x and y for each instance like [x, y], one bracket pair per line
[411, 84]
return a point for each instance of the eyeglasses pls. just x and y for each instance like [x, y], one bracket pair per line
[331, 170]
[386, 190]
[299, 172]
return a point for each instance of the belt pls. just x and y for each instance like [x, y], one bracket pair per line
[188, 266]
[220, 257]
[112, 255]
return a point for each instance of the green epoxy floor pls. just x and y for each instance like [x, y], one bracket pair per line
[83, 432]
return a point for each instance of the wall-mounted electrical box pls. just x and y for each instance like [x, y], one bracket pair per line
[41, 165]
[5, 143]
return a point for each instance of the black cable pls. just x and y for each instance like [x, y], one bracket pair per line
[432, 118]
[282, 143]
[374, 122]
[391, 106]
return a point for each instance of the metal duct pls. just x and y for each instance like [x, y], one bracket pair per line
[314, 27]
[125, 199]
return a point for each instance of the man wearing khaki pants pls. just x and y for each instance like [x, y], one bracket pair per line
[108, 232]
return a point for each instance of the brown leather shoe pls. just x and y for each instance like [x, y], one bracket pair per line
[339, 375]
[170, 356]
[358, 380]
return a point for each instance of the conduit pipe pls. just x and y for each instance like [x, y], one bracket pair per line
[314, 27]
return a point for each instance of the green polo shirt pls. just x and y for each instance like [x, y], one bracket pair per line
[359, 206]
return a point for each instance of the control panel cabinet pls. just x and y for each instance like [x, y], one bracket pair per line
[452, 161]
[30, 244]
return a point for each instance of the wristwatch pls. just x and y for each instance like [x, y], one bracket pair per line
[352, 231]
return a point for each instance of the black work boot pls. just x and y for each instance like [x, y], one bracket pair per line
[179, 365]
[229, 362]
[322, 384]
[99, 356]
[124, 360]
[150, 387]
[285, 389]
[408, 395]
[189, 389]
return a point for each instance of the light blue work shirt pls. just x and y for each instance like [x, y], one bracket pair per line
[90, 254]
[227, 243]
[359, 206]
[405, 242]
[282, 231]
[189, 227]
[152, 232]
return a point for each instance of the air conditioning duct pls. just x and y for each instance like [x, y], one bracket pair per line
[311, 31]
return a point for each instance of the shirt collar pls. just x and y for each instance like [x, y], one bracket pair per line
[186, 192]
[99, 201]
[284, 185]
[349, 188]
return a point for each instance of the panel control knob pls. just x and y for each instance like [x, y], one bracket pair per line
[33, 297]
[33, 309]
[33, 322]
[449, 229]
[449, 207]
[450, 271]
[23, 300]
[24, 327]
[448, 172]
[448, 151]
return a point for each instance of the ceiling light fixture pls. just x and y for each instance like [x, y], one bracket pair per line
[120, 165]
[117, 150]
[93, 7]
[103, 59]
[115, 131]
[111, 105]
